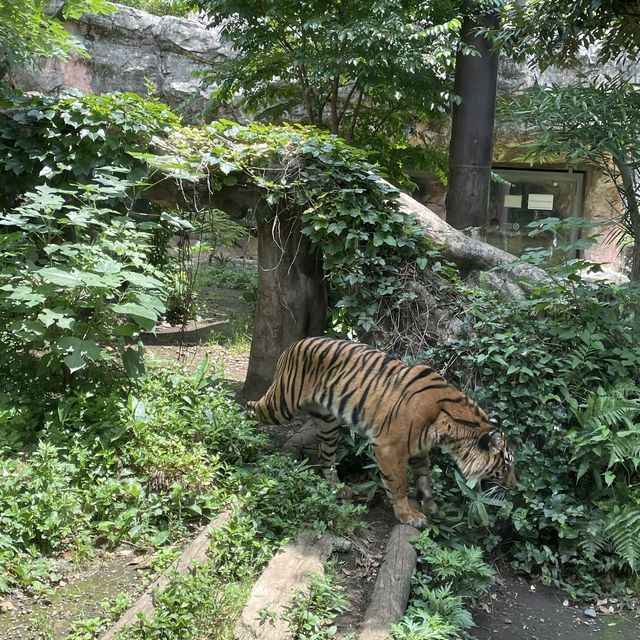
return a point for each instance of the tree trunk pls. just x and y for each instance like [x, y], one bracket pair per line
[292, 297]
[471, 144]
[630, 199]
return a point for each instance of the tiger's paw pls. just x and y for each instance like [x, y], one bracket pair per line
[345, 492]
[413, 518]
[250, 409]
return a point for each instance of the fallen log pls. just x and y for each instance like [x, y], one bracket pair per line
[195, 552]
[288, 571]
[391, 591]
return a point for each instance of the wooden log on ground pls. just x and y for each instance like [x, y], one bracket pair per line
[194, 552]
[303, 444]
[391, 591]
[273, 593]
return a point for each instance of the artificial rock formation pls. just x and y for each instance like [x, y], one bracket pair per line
[131, 50]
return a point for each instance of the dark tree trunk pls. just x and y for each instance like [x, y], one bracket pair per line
[471, 144]
[629, 197]
[292, 298]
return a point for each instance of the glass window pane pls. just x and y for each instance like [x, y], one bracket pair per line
[529, 196]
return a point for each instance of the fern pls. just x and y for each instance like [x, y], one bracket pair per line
[623, 530]
[592, 538]
[443, 601]
[608, 429]
[428, 627]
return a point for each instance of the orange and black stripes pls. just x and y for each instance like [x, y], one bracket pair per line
[405, 410]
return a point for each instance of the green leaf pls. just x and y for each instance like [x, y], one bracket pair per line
[145, 317]
[60, 277]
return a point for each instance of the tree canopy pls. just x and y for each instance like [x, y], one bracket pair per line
[554, 31]
[364, 70]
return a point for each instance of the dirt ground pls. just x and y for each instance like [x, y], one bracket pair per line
[519, 609]
[28, 617]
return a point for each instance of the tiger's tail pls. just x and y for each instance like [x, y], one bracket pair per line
[250, 409]
[267, 411]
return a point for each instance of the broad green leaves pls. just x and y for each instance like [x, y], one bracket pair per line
[72, 136]
[555, 32]
[346, 209]
[70, 301]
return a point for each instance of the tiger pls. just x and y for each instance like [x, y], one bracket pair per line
[404, 410]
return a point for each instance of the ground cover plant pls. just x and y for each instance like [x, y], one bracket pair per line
[144, 467]
[445, 584]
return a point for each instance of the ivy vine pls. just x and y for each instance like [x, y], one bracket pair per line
[347, 209]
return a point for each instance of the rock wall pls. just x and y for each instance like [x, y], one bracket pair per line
[134, 51]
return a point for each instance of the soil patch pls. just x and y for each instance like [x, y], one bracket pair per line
[357, 569]
[50, 616]
[519, 609]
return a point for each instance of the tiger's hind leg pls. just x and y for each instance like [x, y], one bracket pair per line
[393, 465]
[328, 429]
[422, 472]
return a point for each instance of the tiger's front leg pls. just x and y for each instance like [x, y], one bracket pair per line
[422, 472]
[393, 466]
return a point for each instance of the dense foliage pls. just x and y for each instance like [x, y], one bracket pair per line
[347, 210]
[561, 370]
[76, 262]
[59, 141]
[178, 8]
[75, 280]
[554, 32]
[140, 468]
[364, 70]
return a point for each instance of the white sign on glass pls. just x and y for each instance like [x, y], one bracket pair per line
[513, 202]
[541, 201]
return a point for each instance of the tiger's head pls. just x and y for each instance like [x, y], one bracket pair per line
[497, 460]
[482, 452]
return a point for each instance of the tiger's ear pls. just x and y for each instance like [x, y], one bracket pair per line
[491, 440]
[494, 420]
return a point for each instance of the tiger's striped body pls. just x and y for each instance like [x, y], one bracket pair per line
[404, 410]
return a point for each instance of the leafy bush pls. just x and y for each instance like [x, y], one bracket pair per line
[74, 278]
[559, 369]
[59, 141]
[136, 469]
[278, 496]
